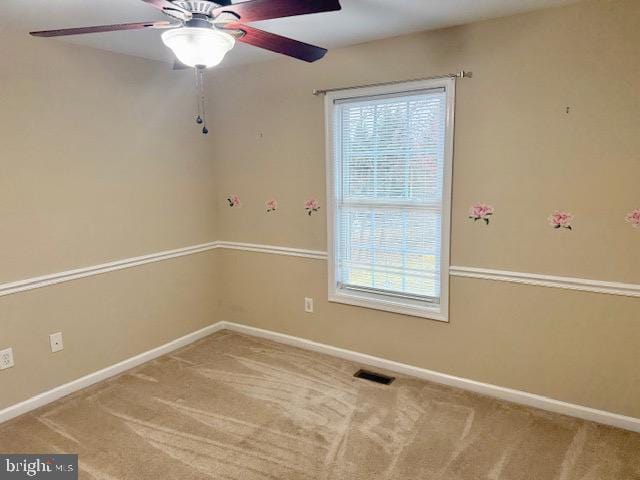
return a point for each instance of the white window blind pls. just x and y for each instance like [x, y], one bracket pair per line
[389, 154]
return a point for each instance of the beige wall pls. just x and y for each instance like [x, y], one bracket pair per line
[516, 148]
[99, 160]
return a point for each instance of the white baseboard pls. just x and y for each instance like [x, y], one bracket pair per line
[508, 394]
[88, 380]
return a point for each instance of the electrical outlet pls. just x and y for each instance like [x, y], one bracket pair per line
[308, 305]
[56, 342]
[6, 358]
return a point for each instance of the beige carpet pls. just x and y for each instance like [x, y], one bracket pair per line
[237, 407]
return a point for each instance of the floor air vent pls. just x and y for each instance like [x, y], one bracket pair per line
[374, 377]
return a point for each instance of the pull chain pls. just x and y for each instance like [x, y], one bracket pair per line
[201, 119]
[197, 81]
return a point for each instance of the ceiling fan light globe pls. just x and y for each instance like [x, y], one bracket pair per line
[195, 46]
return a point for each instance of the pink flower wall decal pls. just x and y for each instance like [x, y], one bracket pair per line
[233, 200]
[561, 220]
[272, 205]
[311, 206]
[481, 211]
[634, 218]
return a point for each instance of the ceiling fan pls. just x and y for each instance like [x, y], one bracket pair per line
[203, 31]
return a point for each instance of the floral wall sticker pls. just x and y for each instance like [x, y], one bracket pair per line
[481, 211]
[561, 219]
[311, 206]
[233, 200]
[272, 205]
[634, 218]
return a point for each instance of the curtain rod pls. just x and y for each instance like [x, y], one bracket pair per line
[460, 74]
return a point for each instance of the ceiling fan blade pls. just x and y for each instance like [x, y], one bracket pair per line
[101, 28]
[255, 10]
[165, 6]
[277, 43]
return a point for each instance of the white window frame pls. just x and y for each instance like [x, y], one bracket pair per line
[380, 301]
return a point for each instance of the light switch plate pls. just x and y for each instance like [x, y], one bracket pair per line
[56, 342]
[308, 305]
[6, 358]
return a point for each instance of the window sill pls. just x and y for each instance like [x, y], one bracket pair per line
[389, 305]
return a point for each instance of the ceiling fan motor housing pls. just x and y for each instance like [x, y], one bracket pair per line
[198, 21]
[202, 7]
[202, 15]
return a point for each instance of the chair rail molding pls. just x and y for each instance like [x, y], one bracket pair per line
[273, 249]
[84, 272]
[535, 279]
[532, 279]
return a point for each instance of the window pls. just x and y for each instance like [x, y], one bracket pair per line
[389, 160]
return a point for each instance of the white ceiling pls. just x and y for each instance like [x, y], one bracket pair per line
[358, 21]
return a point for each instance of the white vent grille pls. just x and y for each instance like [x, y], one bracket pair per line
[197, 6]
